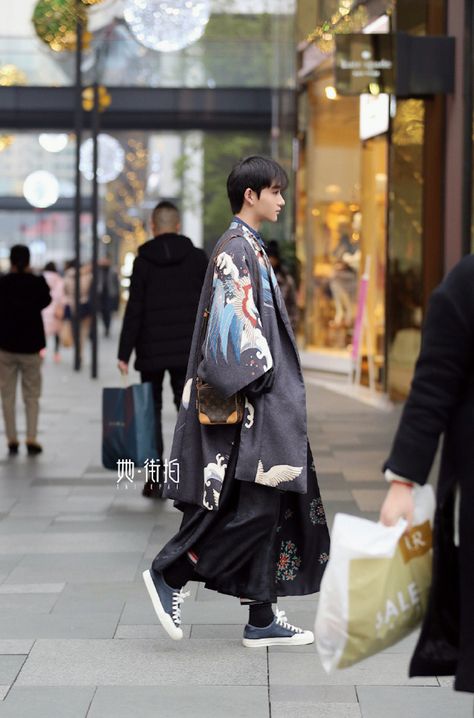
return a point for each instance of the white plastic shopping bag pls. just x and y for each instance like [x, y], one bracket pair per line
[375, 587]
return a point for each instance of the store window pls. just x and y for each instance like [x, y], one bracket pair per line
[405, 288]
[345, 227]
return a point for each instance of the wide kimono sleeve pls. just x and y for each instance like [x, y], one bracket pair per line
[235, 351]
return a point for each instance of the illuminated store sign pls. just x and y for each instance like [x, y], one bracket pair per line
[399, 64]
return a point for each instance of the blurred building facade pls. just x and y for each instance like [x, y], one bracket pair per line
[384, 186]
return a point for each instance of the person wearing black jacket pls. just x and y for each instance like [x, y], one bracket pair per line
[441, 402]
[22, 297]
[165, 287]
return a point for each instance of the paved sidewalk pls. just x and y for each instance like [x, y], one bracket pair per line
[78, 636]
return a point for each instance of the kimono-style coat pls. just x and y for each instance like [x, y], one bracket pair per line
[249, 493]
[441, 401]
[248, 335]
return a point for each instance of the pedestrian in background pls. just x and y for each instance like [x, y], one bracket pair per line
[22, 297]
[285, 282]
[159, 318]
[441, 402]
[53, 314]
[108, 292]
[84, 310]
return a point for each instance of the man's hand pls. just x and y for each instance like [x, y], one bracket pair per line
[122, 367]
[399, 503]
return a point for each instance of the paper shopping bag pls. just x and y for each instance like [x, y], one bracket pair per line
[128, 425]
[375, 588]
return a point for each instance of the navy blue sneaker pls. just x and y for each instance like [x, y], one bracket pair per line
[166, 602]
[278, 633]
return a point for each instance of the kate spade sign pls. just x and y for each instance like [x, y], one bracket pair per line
[398, 63]
[364, 64]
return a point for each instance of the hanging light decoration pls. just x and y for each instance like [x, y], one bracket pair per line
[167, 25]
[111, 158]
[11, 75]
[41, 189]
[53, 142]
[55, 22]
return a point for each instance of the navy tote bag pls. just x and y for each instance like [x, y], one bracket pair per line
[128, 425]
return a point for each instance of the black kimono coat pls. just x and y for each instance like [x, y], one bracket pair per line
[441, 401]
[248, 334]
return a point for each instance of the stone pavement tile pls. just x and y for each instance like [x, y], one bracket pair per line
[370, 499]
[13, 604]
[9, 667]
[47, 625]
[393, 702]
[193, 612]
[15, 646]
[54, 506]
[143, 663]
[149, 631]
[39, 702]
[6, 504]
[32, 587]
[313, 694]
[446, 681]
[3, 691]
[109, 542]
[11, 525]
[231, 631]
[102, 523]
[77, 567]
[184, 702]
[96, 597]
[337, 495]
[306, 669]
[313, 710]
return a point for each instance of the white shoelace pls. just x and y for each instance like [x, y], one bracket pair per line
[282, 620]
[178, 598]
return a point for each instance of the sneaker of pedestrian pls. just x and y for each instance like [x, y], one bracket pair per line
[13, 448]
[33, 448]
[278, 633]
[166, 602]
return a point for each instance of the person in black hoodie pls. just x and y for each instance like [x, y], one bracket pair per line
[165, 287]
[22, 296]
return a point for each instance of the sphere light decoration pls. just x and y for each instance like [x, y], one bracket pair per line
[111, 159]
[55, 22]
[41, 189]
[52, 142]
[167, 25]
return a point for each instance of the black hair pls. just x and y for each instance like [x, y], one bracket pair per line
[50, 267]
[256, 172]
[165, 215]
[20, 257]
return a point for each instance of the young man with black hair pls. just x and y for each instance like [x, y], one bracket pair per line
[22, 297]
[254, 524]
[158, 324]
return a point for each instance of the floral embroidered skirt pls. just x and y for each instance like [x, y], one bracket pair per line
[260, 544]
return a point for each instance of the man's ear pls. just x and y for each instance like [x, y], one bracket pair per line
[249, 196]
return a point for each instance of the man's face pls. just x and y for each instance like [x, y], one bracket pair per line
[270, 203]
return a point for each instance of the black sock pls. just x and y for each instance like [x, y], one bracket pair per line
[260, 614]
[180, 572]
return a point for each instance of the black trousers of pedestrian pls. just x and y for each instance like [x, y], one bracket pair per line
[177, 380]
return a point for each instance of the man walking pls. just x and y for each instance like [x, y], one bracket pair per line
[254, 525]
[159, 319]
[22, 297]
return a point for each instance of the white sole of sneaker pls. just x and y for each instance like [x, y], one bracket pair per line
[299, 639]
[173, 632]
